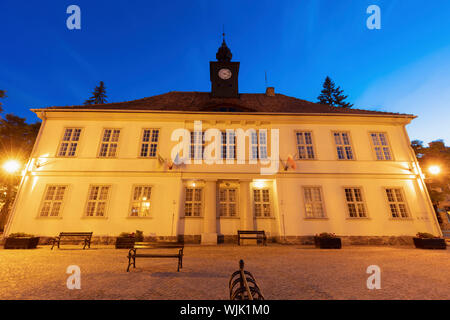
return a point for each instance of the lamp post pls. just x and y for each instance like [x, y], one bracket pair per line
[10, 167]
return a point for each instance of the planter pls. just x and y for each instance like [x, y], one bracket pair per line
[21, 243]
[432, 243]
[327, 243]
[125, 242]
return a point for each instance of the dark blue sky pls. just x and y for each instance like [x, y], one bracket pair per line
[143, 48]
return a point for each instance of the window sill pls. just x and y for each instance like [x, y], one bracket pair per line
[191, 217]
[137, 217]
[358, 218]
[315, 219]
[401, 219]
[94, 217]
[226, 218]
[264, 217]
[44, 218]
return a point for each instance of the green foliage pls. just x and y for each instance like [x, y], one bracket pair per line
[20, 235]
[139, 235]
[98, 96]
[333, 96]
[326, 235]
[425, 235]
[435, 154]
[2, 95]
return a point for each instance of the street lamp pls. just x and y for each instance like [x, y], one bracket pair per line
[434, 170]
[11, 166]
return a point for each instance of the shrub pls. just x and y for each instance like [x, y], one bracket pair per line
[326, 235]
[425, 235]
[126, 234]
[20, 235]
[139, 235]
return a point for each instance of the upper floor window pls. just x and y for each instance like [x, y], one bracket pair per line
[140, 203]
[261, 202]
[97, 199]
[343, 145]
[69, 142]
[227, 202]
[197, 145]
[228, 145]
[381, 146]
[314, 206]
[258, 144]
[305, 147]
[355, 203]
[397, 203]
[149, 144]
[193, 202]
[53, 200]
[109, 143]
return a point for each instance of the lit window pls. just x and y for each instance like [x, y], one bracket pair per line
[228, 145]
[140, 204]
[254, 145]
[227, 202]
[97, 200]
[381, 146]
[355, 203]
[397, 203]
[149, 145]
[53, 200]
[109, 143]
[343, 145]
[69, 143]
[305, 148]
[193, 202]
[314, 207]
[263, 144]
[197, 145]
[261, 202]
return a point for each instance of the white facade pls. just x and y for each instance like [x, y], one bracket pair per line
[288, 208]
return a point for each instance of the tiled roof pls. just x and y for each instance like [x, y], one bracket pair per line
[247, 102]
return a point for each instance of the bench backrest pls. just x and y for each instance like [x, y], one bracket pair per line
[158, 245]
[251, 232]
[76, 234]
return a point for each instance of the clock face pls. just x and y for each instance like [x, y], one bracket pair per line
[224, 74]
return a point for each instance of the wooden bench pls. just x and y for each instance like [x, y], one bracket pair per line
[74, 236]
[132, 254]
[252, 234]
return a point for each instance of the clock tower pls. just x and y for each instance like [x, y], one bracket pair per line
[224, 74]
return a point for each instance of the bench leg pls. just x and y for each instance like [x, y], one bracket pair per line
[179, 264]
[129, 263]
[53, 244]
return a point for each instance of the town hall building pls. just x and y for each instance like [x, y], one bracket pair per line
[200, 166]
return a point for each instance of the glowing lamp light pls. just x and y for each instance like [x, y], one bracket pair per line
[11, 166]
[259, 184]
[434, 170]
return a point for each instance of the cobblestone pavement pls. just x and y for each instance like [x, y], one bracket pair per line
[282, 271]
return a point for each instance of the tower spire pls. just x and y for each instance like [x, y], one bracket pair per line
[224, 53]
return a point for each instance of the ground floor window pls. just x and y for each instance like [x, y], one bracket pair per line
[140, 204]
[261, 202]
[227, 202]
[97, 199]
[397, 203]
[355, 203]
[193, 202]
[53, 200]
[314, 207]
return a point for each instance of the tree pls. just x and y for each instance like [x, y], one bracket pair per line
[98, 96]
[16, 142]
[333, 96]
[2, 95]
[436, 154]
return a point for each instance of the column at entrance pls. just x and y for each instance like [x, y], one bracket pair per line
[245, 207]
[209, 235]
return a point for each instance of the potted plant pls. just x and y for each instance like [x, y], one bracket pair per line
[21, 240]
[425, 240]
[327, 241]
[126, 240]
